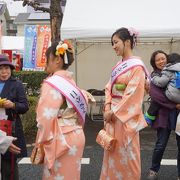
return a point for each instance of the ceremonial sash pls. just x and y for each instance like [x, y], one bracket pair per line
[124, 66]
[71, 92]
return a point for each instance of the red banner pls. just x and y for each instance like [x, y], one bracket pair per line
[43, 40]
[17, 62]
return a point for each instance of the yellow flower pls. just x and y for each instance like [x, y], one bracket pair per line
[62, 47]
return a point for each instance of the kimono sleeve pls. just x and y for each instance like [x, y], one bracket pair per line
[108, 96]
[130, 106]
[5, 142]
[47, 111]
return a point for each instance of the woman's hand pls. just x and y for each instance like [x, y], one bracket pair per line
[147, 86]
[52, 172]
[178, 106]
[108, 116]
[13, 148]
[8, 104]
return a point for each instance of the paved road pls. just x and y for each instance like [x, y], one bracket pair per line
[91, 171]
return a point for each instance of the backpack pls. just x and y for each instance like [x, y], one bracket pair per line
[177, 79]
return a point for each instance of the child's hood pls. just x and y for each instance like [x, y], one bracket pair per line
[172, 67]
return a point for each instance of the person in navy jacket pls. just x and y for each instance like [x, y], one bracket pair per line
[16, 103]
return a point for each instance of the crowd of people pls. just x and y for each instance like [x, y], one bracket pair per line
[62, 106]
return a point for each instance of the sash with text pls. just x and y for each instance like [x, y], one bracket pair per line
[71, 92]
[124, 66]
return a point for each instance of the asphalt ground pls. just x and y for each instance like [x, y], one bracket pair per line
[94, 152]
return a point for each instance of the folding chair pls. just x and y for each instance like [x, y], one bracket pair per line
[96, 111]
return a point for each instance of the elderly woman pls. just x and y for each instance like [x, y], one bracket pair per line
[15, 103]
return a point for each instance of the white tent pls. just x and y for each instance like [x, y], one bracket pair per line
[90, 23]
[100, 18]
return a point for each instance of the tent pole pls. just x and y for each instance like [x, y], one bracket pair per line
[171, 42]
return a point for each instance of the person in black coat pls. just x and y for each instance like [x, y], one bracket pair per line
[16, 103]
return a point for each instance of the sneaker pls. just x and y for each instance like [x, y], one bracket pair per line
[148, 120]
[152, 175]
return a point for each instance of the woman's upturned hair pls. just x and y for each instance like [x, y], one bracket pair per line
[53, 50]
[126, 34]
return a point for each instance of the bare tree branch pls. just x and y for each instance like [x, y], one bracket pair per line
[55, 13]
[35, 5]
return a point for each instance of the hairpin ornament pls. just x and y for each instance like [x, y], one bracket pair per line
[133, 32]
[61, 48]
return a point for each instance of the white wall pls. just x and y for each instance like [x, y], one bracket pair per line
[20, 30]
[94, 64]
[176, 47]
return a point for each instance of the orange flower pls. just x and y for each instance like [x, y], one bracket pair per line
[59, 51]
[62, 47]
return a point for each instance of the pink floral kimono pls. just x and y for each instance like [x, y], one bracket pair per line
[61, 133]
[124, 162]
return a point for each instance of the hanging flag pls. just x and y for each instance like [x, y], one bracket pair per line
[0, 37]
[29, 58]
[43, 40]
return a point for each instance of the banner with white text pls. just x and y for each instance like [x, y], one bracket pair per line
[29, 58]
[43, 41]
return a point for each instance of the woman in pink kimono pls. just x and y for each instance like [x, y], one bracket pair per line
[122, 111]
[60, 116]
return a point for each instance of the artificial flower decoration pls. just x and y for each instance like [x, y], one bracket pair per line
[60, 50]
[68, 43]
[133, 32]
[62, 47]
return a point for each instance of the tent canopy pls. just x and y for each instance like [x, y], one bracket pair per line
[100, 18]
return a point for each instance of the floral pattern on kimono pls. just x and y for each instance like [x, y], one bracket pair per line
[63, 142]
[124, 162]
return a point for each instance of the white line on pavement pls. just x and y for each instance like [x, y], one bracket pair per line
[27, 161]
[169, 162]
[87, 161]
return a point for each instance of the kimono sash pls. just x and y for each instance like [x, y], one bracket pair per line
[71, 92]
[123, 67]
